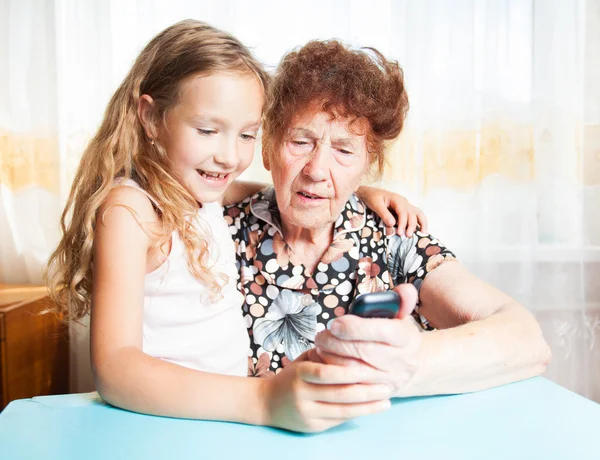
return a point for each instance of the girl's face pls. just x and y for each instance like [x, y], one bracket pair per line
[209, 134]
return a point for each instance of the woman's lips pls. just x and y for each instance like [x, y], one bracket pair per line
[309, 195]
[310, 198]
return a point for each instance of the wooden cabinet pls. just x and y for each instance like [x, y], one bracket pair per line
[34, 345]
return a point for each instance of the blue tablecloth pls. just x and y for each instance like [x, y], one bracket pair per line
[535, 419]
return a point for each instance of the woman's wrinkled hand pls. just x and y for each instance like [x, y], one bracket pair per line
[387, 346]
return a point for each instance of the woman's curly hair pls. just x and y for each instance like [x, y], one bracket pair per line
[359, 84]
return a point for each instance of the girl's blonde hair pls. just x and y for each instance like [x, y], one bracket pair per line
[120, 148]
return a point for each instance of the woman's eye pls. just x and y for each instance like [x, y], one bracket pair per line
[206, 132]
[248, 137]
[300, 143]
[346, 152]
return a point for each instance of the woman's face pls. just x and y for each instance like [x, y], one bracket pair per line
[317, 167]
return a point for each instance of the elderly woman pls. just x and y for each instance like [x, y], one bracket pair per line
[308, 246]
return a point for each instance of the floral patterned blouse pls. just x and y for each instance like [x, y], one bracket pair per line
[286, 305]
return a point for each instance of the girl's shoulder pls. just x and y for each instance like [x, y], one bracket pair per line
[133, 198]
[128, 206]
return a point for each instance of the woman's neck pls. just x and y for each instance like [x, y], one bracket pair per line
[308, 244]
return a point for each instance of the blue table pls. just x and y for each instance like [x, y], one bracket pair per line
[535, 419]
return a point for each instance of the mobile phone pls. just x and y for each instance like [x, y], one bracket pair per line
[376, 305]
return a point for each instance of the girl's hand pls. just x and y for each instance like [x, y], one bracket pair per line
[312, 397]
[382, 201]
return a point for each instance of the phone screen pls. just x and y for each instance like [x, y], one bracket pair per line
[376, 305]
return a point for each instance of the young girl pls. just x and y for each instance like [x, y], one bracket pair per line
[146, 249]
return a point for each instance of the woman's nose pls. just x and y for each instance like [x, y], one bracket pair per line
[317, 165]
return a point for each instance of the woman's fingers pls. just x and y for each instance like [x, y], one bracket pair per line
[355, 329]
[329, 358]
[374, 353]
[408, 299]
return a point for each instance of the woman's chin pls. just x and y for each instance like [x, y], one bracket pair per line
[310, 219]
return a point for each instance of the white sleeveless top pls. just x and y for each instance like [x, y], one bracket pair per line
[181, 325]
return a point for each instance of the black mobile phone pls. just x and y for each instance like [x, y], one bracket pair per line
[376, 305]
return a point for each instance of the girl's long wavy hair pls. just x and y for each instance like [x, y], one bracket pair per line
[120, 149]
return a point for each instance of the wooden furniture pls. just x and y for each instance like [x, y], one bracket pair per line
[34, 345]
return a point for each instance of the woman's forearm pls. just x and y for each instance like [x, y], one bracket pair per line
[505, 347]
[132, 380]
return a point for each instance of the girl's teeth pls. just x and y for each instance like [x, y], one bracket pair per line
[212, 176]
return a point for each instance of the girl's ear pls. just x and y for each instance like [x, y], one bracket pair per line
[147, 114]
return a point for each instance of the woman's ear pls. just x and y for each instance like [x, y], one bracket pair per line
[147, 115]
[366, 178]
[266, 162]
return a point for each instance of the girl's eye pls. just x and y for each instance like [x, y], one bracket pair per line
[248, 137]
[206, 132]
[346, 152]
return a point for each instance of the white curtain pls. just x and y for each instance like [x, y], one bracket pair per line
[501, 148]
